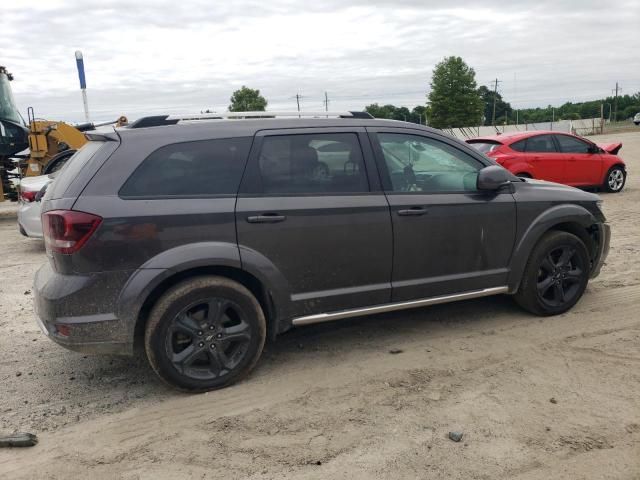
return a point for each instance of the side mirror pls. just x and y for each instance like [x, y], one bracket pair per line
[493, 178]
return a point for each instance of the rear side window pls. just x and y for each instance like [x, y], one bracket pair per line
[72, 168]
[541, 143]
[519, 146]
[572, 145]
[205, 167]
[313, 163]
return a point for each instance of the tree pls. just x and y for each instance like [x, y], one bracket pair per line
[503, 109]
[247, 100]
[454, 100]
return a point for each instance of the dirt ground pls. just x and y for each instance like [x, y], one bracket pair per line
[534, 397]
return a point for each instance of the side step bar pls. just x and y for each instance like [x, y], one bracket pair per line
[390, 307]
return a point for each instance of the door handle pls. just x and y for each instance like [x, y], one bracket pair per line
[266, 218]
[412, 212]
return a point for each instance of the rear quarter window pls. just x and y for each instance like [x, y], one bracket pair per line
[198, 168]
[72, 168]
[519, 146]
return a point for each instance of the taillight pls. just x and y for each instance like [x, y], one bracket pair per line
[65, 231]
[27, 196]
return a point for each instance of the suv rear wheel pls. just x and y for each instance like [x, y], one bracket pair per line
[556, 275]
[205, 333]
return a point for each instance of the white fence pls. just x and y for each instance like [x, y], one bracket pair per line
[587, 126]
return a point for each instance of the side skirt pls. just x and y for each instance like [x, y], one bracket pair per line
[390, 307]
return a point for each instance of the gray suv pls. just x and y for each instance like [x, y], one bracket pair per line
[198, 239]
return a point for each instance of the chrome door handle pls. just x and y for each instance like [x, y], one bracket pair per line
[266, 218]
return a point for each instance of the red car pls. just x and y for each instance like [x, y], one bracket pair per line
[557, 157]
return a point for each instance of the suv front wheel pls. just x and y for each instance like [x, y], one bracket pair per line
[556, 275]
[205, 333]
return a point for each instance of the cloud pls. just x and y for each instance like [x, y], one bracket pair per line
[155, 56]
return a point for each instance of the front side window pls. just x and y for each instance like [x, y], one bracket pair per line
[541, 144]
[420, 164]
[322, 163]
[205, 167]
[572, 145]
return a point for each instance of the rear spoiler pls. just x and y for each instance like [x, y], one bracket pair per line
[102, 136]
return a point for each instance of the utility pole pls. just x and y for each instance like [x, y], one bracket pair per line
[495, 94]
[615, 105]
[298, 97]
[326, 102]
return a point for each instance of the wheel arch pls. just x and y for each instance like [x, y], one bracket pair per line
[569, 218]
[158, 274]
[244, 278]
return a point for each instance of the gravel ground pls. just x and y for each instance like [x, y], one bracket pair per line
[534, 398]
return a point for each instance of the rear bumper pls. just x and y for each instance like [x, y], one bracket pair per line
[29, 219]
[67, 309]
[604, 235]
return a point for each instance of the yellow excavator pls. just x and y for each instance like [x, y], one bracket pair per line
[50, 143]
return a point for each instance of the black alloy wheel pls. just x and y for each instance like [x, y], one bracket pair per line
[208, 338]
[556, 274]
[560, 275]
[204, 333]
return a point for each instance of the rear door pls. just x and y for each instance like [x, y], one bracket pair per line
[547, 163]
[311, 206]
[582, 167]
[448, 236]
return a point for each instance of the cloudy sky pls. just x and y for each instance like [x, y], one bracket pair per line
[181, 56]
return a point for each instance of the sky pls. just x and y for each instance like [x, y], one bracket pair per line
[145, 57]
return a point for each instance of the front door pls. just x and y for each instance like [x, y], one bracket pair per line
[582, 165]
[448, 236]
[311, 205]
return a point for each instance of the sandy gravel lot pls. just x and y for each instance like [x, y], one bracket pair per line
[536, 398]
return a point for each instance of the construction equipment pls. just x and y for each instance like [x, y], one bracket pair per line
[13, 133]
[46, 140]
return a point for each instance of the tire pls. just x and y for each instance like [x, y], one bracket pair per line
[615, 179]
[550, 285]
[205, 333]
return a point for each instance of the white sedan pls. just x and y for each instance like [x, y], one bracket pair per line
[31, 190]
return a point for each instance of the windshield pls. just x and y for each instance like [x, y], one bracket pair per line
[484, 147]
[8, 109]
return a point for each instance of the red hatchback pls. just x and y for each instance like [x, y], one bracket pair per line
[557, 157]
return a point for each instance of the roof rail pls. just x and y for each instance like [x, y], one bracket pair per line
[159, 120]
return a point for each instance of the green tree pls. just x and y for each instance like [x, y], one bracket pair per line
[454, 100]
[503, 109]
[247, 100]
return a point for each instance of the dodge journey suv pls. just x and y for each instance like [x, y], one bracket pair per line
[198, 239]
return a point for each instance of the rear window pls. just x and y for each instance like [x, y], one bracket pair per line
[485, 147]
[205, 167]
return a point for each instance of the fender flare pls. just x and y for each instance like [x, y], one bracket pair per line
[196, 255]
[547, 220]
